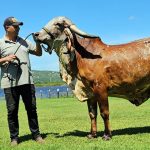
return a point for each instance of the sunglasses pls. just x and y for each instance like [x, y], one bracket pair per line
[15, 26]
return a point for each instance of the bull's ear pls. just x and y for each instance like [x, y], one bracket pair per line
[70, 40]
[68, 43]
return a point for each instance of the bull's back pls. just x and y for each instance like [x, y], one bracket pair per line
[124, 69]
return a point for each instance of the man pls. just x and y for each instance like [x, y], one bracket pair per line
[16, 78]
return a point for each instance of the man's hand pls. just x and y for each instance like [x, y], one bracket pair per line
[35, 38]
[7, 59]
[10, 58]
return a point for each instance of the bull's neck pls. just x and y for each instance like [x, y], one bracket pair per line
[57, 47]
[58, 43]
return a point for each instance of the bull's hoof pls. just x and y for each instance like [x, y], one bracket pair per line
[91, 136]
[106, 137]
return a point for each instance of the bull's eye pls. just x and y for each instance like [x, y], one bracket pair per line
[58, 24]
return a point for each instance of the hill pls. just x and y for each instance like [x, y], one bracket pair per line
[46, 78]
[42, 78]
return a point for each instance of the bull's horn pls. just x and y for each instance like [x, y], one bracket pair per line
[81, 33]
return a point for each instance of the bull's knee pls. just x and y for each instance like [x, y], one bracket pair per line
[92, 115]
[92, 108]
[105, 115]
[92, 112]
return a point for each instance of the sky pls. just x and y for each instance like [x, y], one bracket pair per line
[114, 21]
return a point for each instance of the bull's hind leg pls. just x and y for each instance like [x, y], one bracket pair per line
[92, 108]
[104, 111]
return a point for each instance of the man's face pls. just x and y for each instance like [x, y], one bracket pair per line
[13, 29]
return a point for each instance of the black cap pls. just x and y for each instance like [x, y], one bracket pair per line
[12, 21]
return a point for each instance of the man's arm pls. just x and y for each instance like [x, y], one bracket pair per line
[38, 51]
[7, 58]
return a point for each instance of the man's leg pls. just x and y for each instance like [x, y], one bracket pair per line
[12, 104]
[29, 99]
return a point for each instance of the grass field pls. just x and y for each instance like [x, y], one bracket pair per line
[64, 124]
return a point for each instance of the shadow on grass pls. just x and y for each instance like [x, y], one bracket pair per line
[132, 130]
[29, 137]
[125, 131]
[73, 133]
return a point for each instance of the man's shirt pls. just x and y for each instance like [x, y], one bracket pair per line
[17, 72]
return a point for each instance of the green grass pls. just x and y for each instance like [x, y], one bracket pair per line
[64, 123]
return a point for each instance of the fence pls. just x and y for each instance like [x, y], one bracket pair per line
[49, 92]
[53, 93]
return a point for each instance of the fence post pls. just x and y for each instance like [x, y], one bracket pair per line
[49, 93]
[67, 92]
[41, 93]
[57, 93]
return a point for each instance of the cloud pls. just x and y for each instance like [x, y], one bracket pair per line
[131, 18]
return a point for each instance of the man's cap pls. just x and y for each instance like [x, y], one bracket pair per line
[12, 21]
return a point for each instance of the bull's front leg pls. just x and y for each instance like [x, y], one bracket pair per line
[92, 108]
[102, 97]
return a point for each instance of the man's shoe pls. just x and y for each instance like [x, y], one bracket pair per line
[39, 140]
[14, 142]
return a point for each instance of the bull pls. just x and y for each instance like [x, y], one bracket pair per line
[95, 70]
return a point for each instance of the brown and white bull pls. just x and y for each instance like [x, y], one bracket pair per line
[95, 70]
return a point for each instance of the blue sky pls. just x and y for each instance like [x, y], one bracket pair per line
[115, 21]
